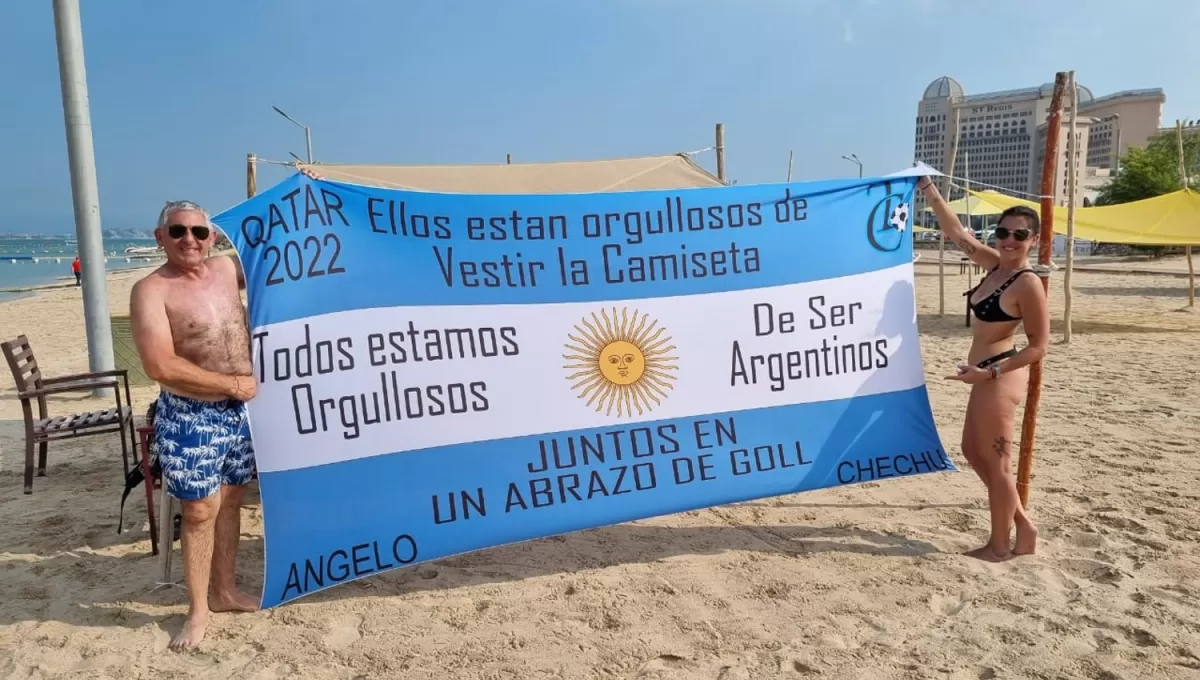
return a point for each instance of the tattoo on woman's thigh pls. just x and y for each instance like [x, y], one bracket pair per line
[1000, 446]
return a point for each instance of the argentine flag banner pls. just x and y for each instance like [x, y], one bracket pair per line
[440, 373]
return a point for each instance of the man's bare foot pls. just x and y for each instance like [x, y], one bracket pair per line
[988, 555]
[1027, 536]
[232, 601]
[192, 632]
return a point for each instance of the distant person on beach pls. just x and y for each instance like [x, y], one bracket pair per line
[1011, 295]
[190, 328]
[78, 271]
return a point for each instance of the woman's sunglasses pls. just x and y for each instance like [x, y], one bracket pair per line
[1019, 234]
[178, 231]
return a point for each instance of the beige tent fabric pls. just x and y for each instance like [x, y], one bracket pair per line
[623, 174]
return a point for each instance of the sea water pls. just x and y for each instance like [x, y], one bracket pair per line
[52, 261]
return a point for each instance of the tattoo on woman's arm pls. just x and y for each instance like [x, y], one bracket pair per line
[965, 244]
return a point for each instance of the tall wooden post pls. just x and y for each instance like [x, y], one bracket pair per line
[1045, 242]
[251, 175]
[1183, 182]
[941, 236]
[1071, 150]
[721, 152]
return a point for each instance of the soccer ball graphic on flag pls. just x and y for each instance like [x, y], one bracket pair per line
[899, 218]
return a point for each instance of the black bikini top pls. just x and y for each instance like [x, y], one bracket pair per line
[988, 309]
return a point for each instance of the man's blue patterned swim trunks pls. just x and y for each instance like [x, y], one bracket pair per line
[202, 445]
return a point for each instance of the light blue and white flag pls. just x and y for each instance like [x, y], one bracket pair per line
[441, 373]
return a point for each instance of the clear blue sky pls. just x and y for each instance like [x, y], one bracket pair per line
[180, 92]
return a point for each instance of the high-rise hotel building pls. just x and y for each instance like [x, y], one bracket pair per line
[1002, 135]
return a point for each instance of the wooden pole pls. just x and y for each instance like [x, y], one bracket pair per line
[1049, 175]
[721, 152]
[1183, 182]
[791, 154]
[941, 236]
[1191, 277]
[251, 175]
[970, 227]
[1071, 150]
[967, 187]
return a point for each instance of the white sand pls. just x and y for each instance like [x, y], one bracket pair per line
[858, 582]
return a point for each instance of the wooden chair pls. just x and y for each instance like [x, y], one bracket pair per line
[40, 431]
[162, 517]
[152, 483]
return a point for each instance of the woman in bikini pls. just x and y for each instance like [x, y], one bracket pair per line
[1010, 295]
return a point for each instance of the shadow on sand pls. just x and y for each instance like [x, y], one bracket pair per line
[54, 573]
[103, 586]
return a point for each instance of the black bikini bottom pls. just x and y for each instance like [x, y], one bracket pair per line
[999, 357]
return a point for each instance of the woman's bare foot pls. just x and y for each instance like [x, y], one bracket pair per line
[232, 601]
[1027, 535]
[192, 632]
[988, 555]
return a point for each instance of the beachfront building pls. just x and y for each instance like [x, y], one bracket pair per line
[1001, 135]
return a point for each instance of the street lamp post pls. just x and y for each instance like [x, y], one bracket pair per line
[1116, 162]
[854, 159]
[307, 133]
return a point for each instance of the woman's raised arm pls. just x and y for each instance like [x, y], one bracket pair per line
[979, 253]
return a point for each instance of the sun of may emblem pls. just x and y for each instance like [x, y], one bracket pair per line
[621, 363]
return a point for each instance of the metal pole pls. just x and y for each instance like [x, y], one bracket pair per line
[1049, 175]
[307, 132]
[68, 31]
[790, 156]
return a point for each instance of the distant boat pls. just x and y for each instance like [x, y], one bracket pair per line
[143, 250]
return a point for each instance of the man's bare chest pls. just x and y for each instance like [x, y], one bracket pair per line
[200, 312]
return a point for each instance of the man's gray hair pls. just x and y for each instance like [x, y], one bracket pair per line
[177, 206]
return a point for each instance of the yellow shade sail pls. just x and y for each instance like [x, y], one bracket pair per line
[1169, 220]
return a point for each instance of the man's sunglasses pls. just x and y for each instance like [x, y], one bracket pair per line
[177, 231]
[1004, 232]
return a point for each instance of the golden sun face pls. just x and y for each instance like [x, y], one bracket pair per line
[621, 362]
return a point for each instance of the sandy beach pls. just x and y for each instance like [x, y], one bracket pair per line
[862, 582]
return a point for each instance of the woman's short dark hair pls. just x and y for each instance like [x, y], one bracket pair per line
[1031, 217]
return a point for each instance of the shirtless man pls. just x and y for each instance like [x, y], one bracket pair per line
[191, 331]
